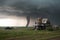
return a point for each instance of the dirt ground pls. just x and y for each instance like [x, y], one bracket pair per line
[56, 38]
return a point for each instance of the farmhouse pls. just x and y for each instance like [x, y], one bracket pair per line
[42, 23]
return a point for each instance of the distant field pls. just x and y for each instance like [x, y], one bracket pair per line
[27, 34]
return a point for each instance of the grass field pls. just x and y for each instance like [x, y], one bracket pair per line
[27, 34]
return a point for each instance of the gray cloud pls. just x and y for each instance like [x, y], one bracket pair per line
[34, 8]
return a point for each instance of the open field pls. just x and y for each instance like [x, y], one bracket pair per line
[28, 34]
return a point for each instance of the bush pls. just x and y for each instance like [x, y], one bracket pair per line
[9, 28]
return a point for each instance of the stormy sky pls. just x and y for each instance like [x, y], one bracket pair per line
[33, 8]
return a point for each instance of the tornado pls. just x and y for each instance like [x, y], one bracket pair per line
[28, 21]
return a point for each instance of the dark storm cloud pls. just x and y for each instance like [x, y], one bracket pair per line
[34, 8]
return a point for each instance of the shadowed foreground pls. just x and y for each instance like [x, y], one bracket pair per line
[29, 34]
[56, 38]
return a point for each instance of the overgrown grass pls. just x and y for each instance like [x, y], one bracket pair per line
[27, 34]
